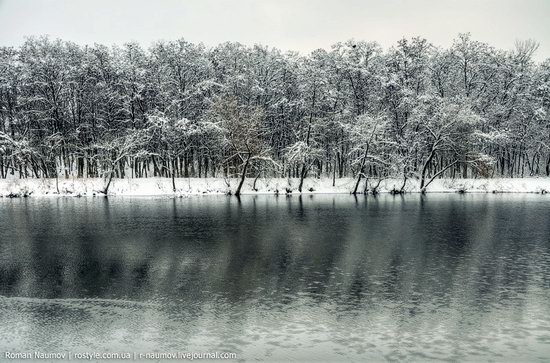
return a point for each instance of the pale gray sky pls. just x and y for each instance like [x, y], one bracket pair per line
[301, 25]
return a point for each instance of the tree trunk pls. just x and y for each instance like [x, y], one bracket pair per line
[361, 169]
[56, 176]
[375, 188]
[106, 190]
[423, 189]
[357, 183]
[173, 177]
[402, 190]
[303, 174]
[366, 188]
[255, 180]
[243, 176]
[334, 172]
[425, 168]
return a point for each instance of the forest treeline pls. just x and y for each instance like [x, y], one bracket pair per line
[180, 109]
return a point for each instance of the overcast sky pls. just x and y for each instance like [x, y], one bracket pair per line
[301, 25]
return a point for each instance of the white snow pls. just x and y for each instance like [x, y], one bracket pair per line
[189, 186]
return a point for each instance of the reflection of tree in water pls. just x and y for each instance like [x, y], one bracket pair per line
[232, 246]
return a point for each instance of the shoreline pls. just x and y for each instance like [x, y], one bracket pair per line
[151, 187]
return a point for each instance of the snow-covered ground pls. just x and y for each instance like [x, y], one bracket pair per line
[185, 186]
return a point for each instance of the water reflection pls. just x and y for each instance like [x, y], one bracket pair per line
[446, 277]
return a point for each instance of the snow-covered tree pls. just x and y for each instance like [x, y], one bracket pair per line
[190, 109]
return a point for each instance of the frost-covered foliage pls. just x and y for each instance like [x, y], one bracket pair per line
[180, 109]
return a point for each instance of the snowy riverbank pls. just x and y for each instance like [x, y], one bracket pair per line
[190, 186]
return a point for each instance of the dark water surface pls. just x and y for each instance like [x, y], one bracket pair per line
[321, 278]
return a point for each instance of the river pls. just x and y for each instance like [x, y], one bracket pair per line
[312, 278]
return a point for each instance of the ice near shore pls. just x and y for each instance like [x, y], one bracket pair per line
[198, 186]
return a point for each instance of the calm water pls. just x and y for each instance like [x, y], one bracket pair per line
[322, 278]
